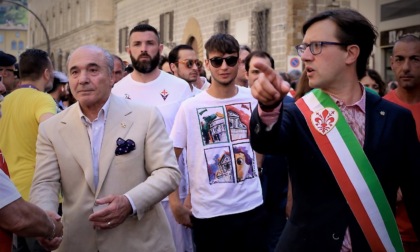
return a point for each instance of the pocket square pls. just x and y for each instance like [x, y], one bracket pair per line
[124, 146]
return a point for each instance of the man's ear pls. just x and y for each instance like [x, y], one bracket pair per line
[47, 74]
[173, 67]
[353, 52]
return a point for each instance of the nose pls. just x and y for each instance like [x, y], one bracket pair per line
[406, 65]
[83, 78]
[307, 55]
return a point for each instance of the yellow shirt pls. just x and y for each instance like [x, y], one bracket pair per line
[18, 132]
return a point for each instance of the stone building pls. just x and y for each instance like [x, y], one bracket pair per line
[71, 23]
[272, 25]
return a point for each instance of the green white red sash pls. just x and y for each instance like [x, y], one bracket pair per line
[352, 170]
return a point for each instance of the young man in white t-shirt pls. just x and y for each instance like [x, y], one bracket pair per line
[226, 197]
[148, 84]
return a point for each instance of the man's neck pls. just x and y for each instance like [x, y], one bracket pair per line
[198, 83]
[37, 84]
[408, 96]
[243, 83]
[222, 91]
[349, 94]
[145, 77]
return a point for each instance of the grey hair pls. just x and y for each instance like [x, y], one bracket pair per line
[108, 57]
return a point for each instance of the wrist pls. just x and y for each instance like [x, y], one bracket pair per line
[52, 233]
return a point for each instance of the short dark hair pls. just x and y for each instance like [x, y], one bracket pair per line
[162, 61]
[223, 43]
[116, 57]
[173, 55]
[245, 47]
[144, 28]
[406, 38]
[32, 64]
[259, 54]
[378, 80]
[354, 29]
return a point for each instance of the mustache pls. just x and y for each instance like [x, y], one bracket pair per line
[143, 54]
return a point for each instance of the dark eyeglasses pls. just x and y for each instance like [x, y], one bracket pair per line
[190, 63]
[315, 47]
[218, 61]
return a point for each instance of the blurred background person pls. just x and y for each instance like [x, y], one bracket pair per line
[119, 68]
[241, 79]
[60, 91]
[302, 86]
[373, 80]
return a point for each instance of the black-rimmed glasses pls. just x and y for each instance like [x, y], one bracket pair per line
[218, 61]
[190, 63]
[315, 47]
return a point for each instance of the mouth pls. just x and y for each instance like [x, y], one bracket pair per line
[309, 69]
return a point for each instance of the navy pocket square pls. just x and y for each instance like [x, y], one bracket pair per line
[124, 146]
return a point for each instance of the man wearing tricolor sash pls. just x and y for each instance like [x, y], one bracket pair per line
[348, 149]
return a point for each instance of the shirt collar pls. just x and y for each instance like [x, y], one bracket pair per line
[102, 114]
[361, 103]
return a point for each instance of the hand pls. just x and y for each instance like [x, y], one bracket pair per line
[50, 245]
[118, 209]
[269, 88]
[57, 222]
[182, 214]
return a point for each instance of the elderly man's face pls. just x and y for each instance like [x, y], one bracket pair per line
[90, 78]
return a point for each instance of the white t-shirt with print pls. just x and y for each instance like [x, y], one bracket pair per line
[166, 92]
[221, 164]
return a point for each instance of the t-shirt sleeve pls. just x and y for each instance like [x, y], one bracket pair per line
[179, 129]
[8, 192]
[45, 104]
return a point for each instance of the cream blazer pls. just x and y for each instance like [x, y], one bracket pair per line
[147, 174]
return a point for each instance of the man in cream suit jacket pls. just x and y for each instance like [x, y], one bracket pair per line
[111, 159]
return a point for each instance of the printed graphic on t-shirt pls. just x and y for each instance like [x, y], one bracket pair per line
[227, 124]
[243, 162]
[219, 165]
[212, 125]
[164, 94]
[239, 116]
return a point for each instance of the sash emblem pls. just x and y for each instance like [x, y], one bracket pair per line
[324, 120]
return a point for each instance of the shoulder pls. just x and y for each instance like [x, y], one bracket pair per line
[170, 79]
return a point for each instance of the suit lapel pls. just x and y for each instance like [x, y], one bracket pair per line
[75, 136]
[375, 120]
[118, 123]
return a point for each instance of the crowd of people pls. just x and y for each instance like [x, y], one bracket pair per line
[155, 156]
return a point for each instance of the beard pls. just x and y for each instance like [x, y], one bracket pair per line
[145, 66]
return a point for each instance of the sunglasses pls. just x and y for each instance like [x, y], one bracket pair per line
[190, 63]
[218, 61]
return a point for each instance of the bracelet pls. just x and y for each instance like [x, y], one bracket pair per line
[53, 230]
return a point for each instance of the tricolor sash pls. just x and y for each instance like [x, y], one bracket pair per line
[352, 170]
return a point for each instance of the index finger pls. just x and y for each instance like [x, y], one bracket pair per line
[269, 72]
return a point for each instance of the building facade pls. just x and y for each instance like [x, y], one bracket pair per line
[13, 38]
[71, 23]
[270, 25]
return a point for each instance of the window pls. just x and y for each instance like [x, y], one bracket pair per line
[260, 30]
[17, 34]
[166, 27]
[222, 26]
[1, 38]
[122, 39]
[14, 45]
[21, 45]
